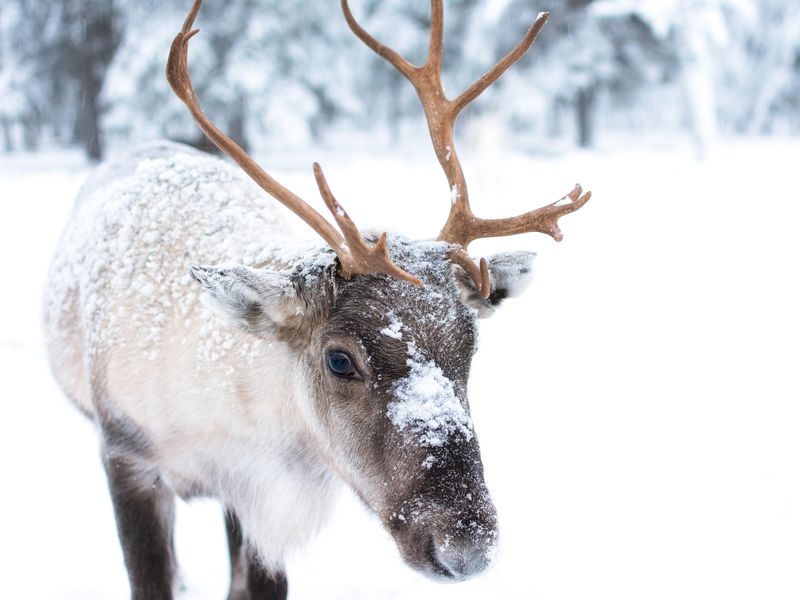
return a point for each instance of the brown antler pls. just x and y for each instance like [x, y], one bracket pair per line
[462, 225]
[355, 255]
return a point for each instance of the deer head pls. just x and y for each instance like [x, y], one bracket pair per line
[384, 331]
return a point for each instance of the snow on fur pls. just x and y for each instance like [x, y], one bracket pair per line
[137, 228]
[427, 404]
[393, 330]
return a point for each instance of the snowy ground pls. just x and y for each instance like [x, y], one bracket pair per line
[638, 409]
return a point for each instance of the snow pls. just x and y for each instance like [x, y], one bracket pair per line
[152, 200]
[426, 404]
[637, 408]
[563, 201]
[393, 329]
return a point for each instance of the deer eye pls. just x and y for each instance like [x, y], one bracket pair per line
[340, 364]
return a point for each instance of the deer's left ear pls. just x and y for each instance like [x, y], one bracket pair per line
[256, 300]
[510, 273]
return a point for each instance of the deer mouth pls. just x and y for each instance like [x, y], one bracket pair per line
[443, 553]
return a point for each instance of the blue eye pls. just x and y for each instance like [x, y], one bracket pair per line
[340, 364]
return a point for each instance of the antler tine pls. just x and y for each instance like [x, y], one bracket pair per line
[354, 254]
[434, 60]
[361, 258]
[493, 74]
[400, 63]
[479, 274]
[540, 220]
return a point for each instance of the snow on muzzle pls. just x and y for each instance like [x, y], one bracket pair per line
[451, 540]
[447, 526]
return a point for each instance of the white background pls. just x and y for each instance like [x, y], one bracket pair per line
[638, 408]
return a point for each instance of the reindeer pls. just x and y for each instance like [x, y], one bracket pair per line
[293, 367]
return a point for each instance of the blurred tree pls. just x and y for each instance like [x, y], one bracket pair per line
[261, 68]
[588, 49]
[60, 52]
[274, 72]
[763, 67]
[698, 32]
[89, 35]
[12, 77]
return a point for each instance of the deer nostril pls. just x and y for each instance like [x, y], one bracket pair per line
[460, 558]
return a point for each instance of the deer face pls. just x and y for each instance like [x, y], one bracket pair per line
[386, 366]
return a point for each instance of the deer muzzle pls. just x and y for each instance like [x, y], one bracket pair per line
[449, 541]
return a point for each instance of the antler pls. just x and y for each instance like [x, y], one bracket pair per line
[355, 255]
[462, 225]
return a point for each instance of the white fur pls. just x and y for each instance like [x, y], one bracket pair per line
[128, 334]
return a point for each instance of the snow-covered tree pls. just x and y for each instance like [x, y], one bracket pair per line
[587, 51]
[59, 52]
[276, 72]
[761, 74]
[13, 77]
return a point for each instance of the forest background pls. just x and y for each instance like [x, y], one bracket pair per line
[280, 75]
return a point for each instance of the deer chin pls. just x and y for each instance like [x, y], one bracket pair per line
[446, 544]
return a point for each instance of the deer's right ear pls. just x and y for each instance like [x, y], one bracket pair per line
[510, 274]
[257, 300]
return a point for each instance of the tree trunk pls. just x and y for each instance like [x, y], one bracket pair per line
[31, 130]
[89, 117]
[87, 59]
[585, 114]
[7, 139]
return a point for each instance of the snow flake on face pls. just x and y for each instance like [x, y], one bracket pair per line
[394, 327]
[426, 404]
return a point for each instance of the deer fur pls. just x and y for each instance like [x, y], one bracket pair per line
[182, 321]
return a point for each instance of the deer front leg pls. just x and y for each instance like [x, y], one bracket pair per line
[249, 580]
[144, 507]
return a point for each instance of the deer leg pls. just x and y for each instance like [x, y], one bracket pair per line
[249, 580]
[144, 507]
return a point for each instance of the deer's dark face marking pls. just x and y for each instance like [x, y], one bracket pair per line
[398, 428]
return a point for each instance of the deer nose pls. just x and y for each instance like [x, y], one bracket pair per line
[465, 557]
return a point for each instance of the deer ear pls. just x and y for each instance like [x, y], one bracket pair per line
[510, 273]
[257, 300]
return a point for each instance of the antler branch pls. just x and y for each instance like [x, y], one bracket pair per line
[440, 112]
[493, 74]
[540, 220]
[361, 257]
[462, 225]
[355, 255]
